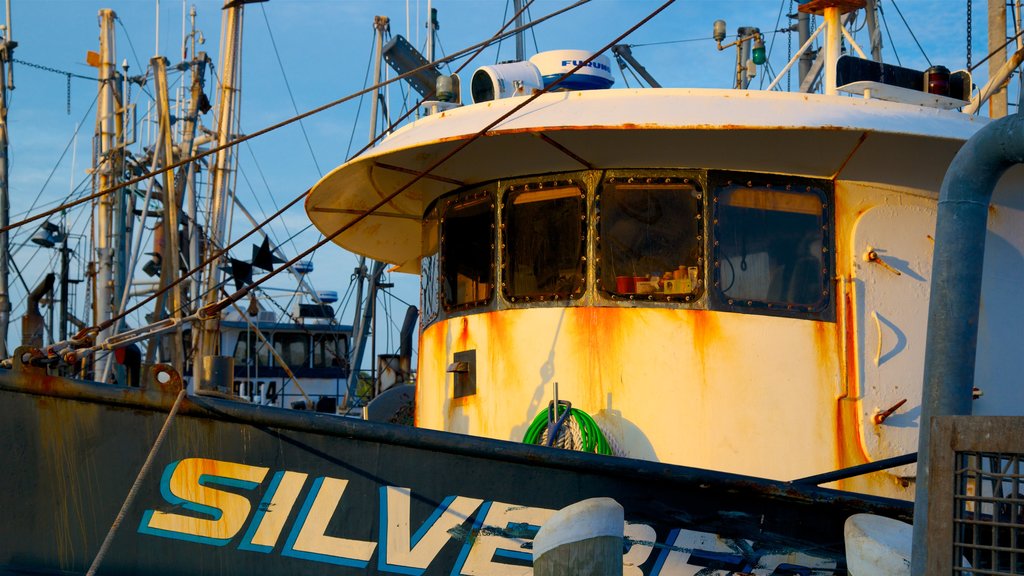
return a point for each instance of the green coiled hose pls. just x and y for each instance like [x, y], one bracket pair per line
[593, 439]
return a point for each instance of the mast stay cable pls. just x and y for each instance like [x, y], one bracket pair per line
[287, 121]
[71, 349]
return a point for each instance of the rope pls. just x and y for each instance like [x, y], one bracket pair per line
[281, 124]
[82, 338]
[135, 486]
[572, 429]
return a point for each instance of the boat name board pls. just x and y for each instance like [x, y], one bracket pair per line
[493, 538]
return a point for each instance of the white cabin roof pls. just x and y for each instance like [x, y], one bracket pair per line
[838, 138]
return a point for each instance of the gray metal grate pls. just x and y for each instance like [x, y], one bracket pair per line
[988, 513]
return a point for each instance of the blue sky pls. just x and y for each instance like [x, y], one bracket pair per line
[325, 47]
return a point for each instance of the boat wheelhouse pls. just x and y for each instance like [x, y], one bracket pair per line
[730, 280]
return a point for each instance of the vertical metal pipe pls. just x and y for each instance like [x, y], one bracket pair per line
[517, 5]
[833, 44]
[997, 106]
[105, 116]
[803, 27]
[874, 31]
[221, 173]
[951, 347]
[172, 206]
[6, 53]
[380, 24]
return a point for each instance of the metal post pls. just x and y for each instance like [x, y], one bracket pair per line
[874, 31]
[380, 24]
[105, 120]
[803, 27]
[172, 206]
[221, 173]
[6, 53]
[996, 38]
[744, 48]
[833, 44]
[951, 345]
[517, 5]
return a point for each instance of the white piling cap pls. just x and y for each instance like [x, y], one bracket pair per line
[580, 521]
[877, 545]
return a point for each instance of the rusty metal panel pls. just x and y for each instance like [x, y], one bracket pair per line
[239, 489]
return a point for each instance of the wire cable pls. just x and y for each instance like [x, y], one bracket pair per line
[286, 122]
[288, 87]
[911, 30]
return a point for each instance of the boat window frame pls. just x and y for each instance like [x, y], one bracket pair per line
[508, 199]
[718, 181]
[696, 178]
[485, 194]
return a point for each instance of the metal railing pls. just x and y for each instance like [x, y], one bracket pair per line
[976, 503]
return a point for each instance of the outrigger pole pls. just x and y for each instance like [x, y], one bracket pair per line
[6, 73]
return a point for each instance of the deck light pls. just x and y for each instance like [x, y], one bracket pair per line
[758, 53]
[719, 30]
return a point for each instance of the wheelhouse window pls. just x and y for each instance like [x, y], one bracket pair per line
[251, 351]
[329, 351]
[651, 238]
[771, 247]
[467, 250]
[544, 242]
[292, 348]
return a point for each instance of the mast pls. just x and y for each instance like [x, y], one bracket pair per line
[6, 82]
[220, 175]
[107, 124]
[520, 38]
[380, 25]
[172, 207]
[997, 106]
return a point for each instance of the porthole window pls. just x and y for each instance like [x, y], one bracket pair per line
[771, 248]
[651, 239]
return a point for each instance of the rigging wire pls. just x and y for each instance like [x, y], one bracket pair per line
[138, 62]
[217, 252]
[885, 23]
[909, 29]
[60, 160]
[771, 45]
[359, 109]
[996, 51]
[288, 87]
[214, 309]
[286, 122]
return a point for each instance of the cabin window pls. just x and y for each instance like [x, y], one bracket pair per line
[467, 250]
[329, 351]
[292, 348]
[771, 247]
[651, 239]
[544, 243]
[251, 351]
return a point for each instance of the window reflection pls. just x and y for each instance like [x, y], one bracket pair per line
[251, 351]
[651, 239]
[544, 243]
[293, 348]
[467, 250]
[771, 247]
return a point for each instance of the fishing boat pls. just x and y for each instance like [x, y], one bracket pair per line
[713, 301]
